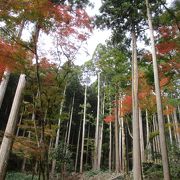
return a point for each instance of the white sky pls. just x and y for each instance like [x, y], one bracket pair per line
[98, 36]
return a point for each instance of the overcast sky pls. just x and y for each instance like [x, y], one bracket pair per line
[98, 36]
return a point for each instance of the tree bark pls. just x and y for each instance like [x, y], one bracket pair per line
[3, 85]
[148, 146]
[117, 165]
[77, 150]
[110, 147]
[10, 127]
[137, 170]
[70, 121]
[176, 128]
[83, 130]
[97, 126]
[141, 136]
[123, 146]
[87, 149]
[58, 131]
[165, 161]
[101, 127]
[169, 127]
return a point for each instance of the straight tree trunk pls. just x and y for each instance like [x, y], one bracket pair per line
[117, 165]
[83, 130]
[10, 127]
[97, 126]
[120, 144]
[77, 150]
[154, 145]
[101, 135]
[176, 128]
[70, 121]
[141, 136]
[123, 147]
[3, 85]
[20, 121]
[25, 159]
[110, 147]
[110, 134]
[58, 131]
[148, 146]
[87, 150]
[66, 134]
[137, 170]
[169, 127]
[165, 161]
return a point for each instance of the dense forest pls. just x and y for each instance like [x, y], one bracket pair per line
[116, 116]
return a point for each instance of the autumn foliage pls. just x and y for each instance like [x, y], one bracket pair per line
[11, 56]
[109, 118]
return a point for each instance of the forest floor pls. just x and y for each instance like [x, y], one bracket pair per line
[99, 176]
[89, 175]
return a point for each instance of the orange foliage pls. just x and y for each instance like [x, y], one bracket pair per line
[169, 110]
[126, 105]
[166, 47]
[168, 35]
[109, 118]
[11, 56]
[46, 67]
[164, 81]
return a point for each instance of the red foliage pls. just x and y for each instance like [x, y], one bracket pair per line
[45, 64]
[166, 47]
[109, 118]
[47, 69]
[164, 81]
[169, 110]
[167, 31]
[11, 56]
[167, 36]
[2, 68]
[142, 95]
[126, 105]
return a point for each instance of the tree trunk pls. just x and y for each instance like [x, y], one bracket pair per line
[117, 165]
[120, 146]
[10, 127]
[110, 146]
[87, 150]
[101, 127]
[123, 146]
[3, 85]
[77, 150]
[148, 146]
[83, 130]
[6, 75]
[169, 127]
[58, 131]
[165, 160]
[141, 136]
[176, 128]
[137, 170]
[97, 126]
[70, 121]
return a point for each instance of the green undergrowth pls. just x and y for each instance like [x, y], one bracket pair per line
[19, 176]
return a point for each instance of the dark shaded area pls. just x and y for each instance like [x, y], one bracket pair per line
[7, 101]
